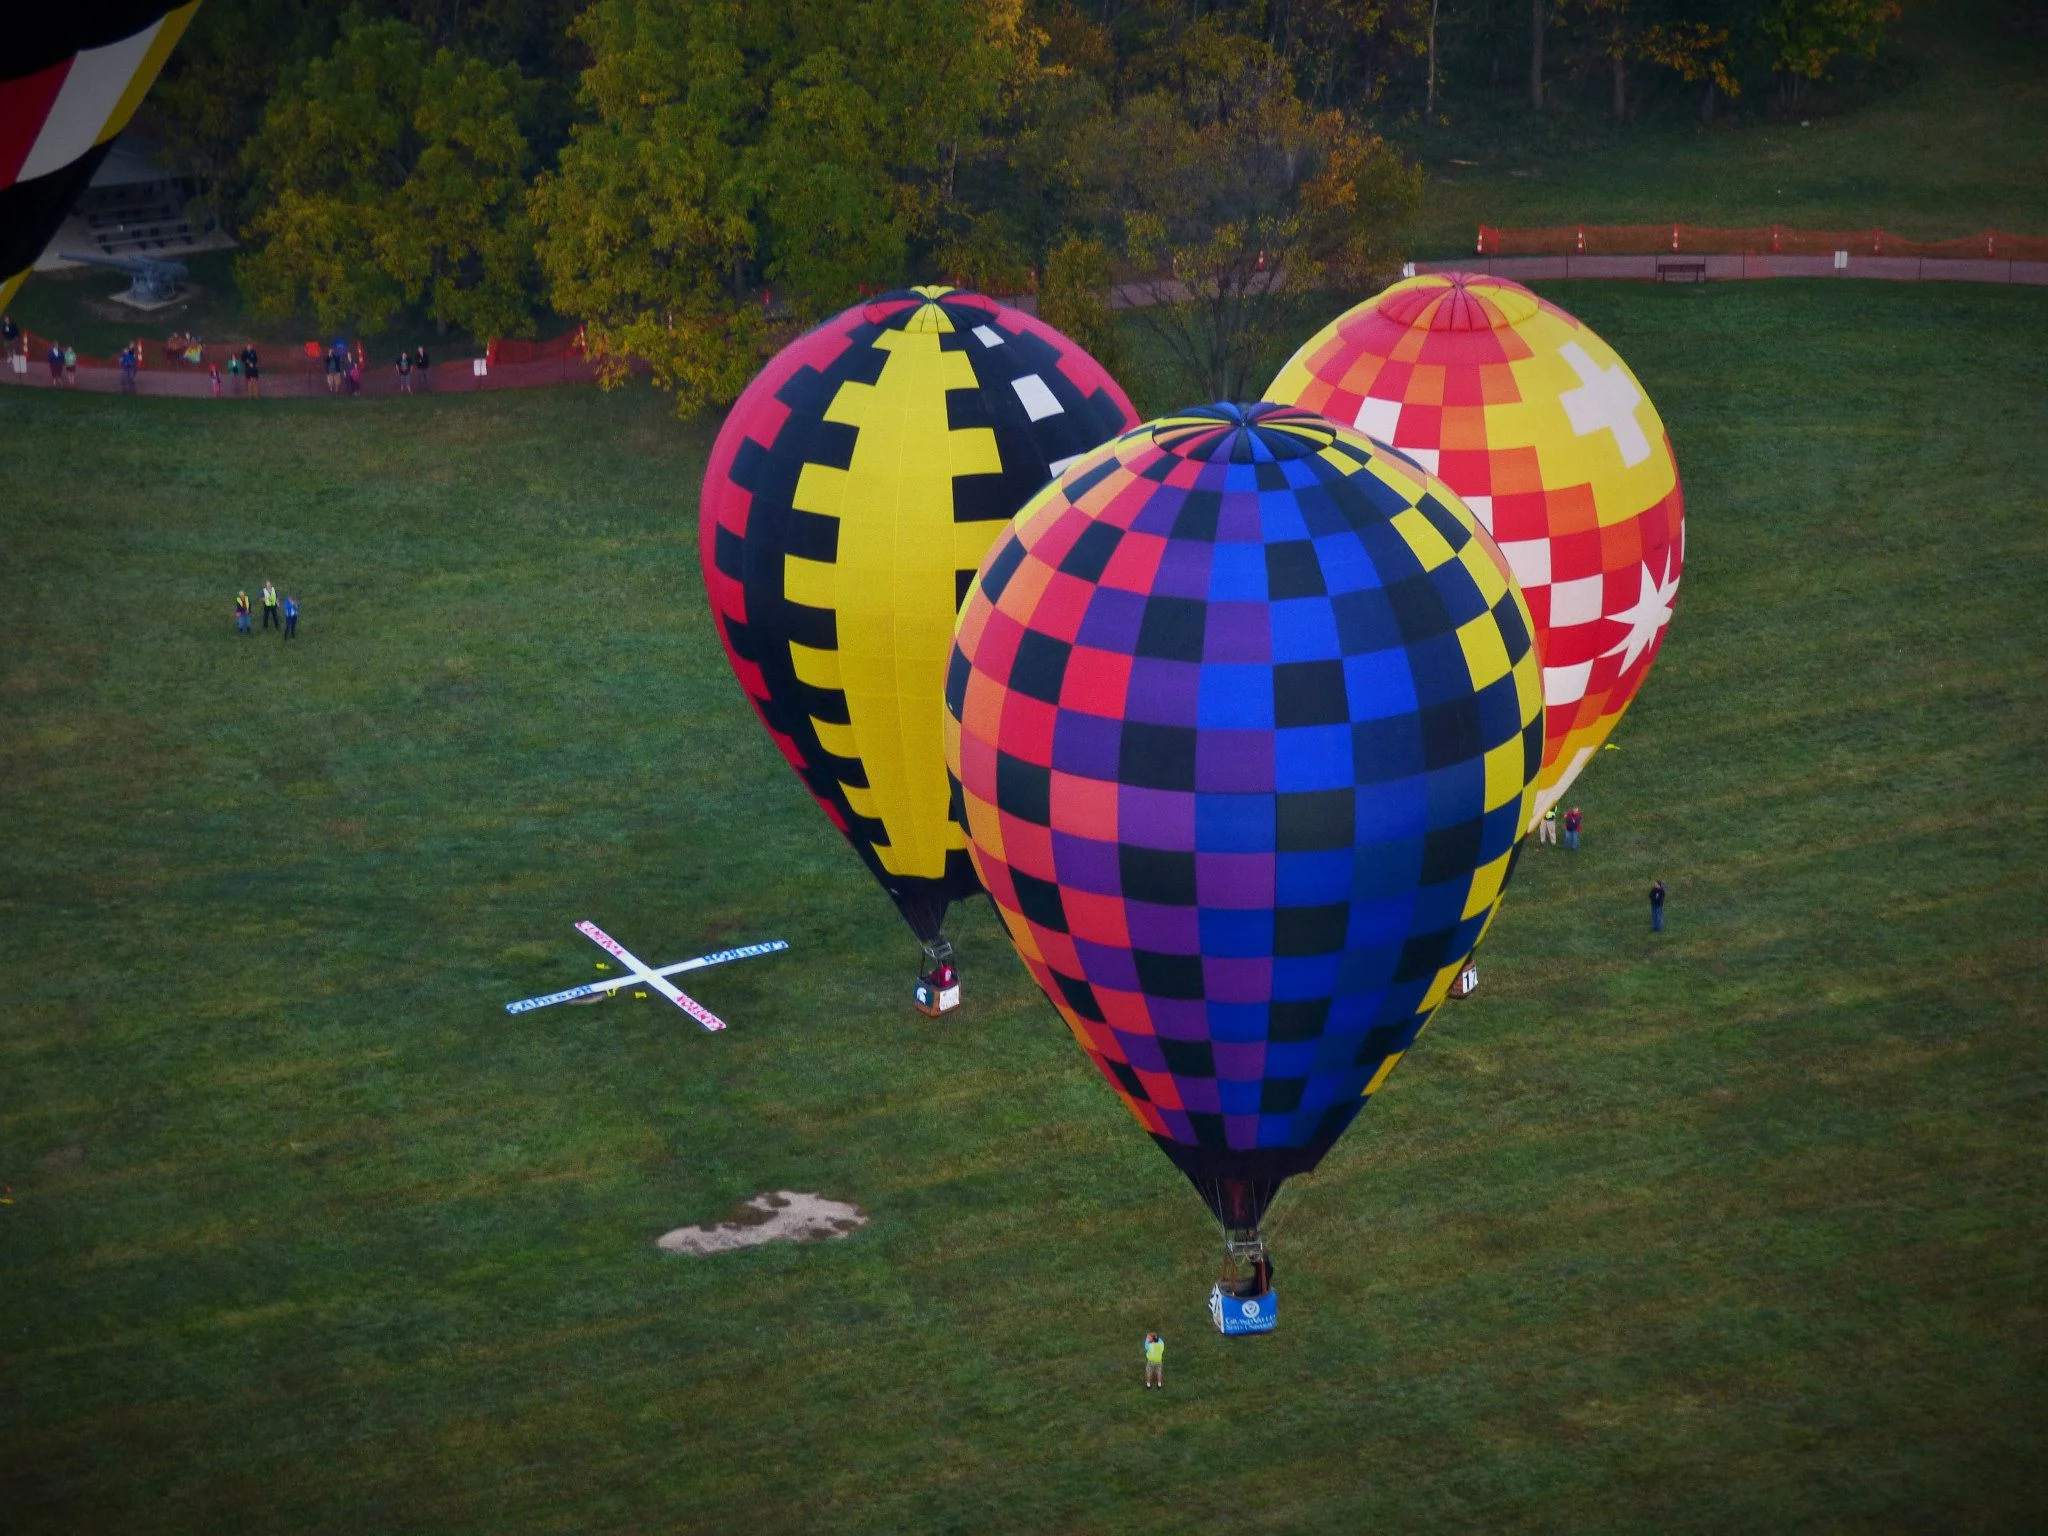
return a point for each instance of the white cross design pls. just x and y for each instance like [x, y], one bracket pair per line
[1606, 397]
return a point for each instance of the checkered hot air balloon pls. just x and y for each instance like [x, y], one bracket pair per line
[850, 497]
[1555, 447]
[1245, 715]
[71, 76]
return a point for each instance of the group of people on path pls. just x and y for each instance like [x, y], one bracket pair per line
[412, 366]
[63, 360]
[345, 365]
[286, 620]
[242, 373]
[245, 368]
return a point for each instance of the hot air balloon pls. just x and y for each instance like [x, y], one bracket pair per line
[1245, 715]
[73, 76]
[1554, 445]
[849, 499]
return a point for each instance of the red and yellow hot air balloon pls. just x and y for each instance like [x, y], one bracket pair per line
[1553, 444]
[70, 78]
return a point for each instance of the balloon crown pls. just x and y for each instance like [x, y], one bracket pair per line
[1457, 301]
[1260, 433]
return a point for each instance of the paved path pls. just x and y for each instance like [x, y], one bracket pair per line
[1909, 269]
[294, 381]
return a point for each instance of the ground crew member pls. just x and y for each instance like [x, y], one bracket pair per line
[1155, 1360]
[1572, 822]
[242, 613]
[269, 603]
[1546, 830]
[1657, 906]
[291, 616]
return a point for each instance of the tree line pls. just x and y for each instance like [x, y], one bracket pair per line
[688, 178]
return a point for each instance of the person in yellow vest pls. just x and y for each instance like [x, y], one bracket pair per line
[1547, 828]
[269, 603]
[241, 613]
[1155, 1360]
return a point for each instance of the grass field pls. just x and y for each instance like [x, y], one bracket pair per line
[1736, 1231]
[1955, 139]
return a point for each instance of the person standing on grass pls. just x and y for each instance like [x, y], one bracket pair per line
[70, 366]
[251, 371]
[213, 374]
[1572, 822]
[242, 614]
[56, 361]
[269, 603]
[128, 369]
[334, 370]
[1155, 1360]
[405, 373]
[419, 366]
[291, 616]
[10, 335]
[1546, 829]
[1656, 906]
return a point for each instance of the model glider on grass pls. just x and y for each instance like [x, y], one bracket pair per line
[70, 78]
[641, 974]
[1246, 717]
[1554, 446]
[849, 498]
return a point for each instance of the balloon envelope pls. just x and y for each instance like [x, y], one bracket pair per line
[1553, 444]
[849, 499]
[70, 78]
[1245, 715]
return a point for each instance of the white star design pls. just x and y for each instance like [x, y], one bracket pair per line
[1652, 611]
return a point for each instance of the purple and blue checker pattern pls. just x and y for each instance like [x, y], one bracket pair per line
[1244, 714]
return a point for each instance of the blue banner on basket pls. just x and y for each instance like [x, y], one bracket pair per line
[1242, 1314]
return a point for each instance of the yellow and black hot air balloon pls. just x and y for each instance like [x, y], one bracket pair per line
[849, 500]
[71, 75]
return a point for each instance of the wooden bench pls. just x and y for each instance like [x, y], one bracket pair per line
[1692, 267]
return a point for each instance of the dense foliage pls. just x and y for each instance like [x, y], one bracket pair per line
[688, 177]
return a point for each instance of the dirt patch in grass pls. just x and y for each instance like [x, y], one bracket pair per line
[785, 1216]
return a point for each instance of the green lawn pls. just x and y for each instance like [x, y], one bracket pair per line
[1736, 1231]
[1955, 139]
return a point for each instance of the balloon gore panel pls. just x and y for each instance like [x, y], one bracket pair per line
[850, 497]
[1555, 447]
[71, 76]
[1245, 715]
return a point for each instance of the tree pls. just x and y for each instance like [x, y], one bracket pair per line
[1074, 299]
[1235, 196]
[1807, 36]
[389, 176]
[809, 147]
[1696, 52]
[208, 103]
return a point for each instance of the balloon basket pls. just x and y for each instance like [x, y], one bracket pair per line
[938, 983]
[1243, 1300]
[1467, 982]
[1234, 1315]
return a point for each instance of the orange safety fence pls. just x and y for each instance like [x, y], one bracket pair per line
[514, 354]
[1759, 240]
